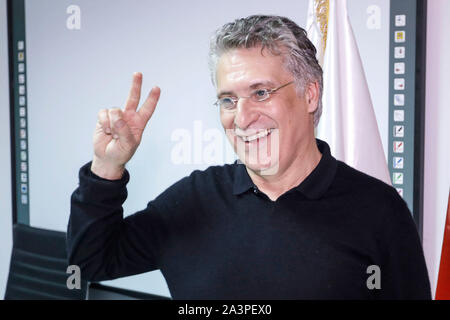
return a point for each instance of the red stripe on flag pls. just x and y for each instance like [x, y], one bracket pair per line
[443, 285]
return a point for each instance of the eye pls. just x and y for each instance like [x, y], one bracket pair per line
[226, 103]
[261, 94]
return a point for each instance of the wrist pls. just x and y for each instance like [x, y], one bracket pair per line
[106, 170]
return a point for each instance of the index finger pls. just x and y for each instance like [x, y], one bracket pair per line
[135, 92]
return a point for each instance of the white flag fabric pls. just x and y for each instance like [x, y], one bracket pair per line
[314, 31]
[348, 121]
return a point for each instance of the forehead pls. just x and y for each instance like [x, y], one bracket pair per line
[243, 67]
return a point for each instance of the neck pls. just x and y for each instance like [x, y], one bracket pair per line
[292, 175]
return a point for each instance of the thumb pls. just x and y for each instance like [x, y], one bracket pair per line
[120, 130]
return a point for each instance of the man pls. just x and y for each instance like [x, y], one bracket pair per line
[289, 222]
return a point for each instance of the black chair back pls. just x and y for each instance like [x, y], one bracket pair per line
[38, 268]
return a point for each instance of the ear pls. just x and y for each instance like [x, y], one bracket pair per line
[312, 96]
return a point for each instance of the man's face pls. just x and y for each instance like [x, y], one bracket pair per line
[283, 123]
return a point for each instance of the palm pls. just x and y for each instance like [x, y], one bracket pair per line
[136, 123]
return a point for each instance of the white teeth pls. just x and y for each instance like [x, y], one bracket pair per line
[259, 135]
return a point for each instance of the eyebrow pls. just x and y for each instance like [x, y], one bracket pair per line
[252, 86]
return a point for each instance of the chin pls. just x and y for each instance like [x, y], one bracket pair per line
[266, 167]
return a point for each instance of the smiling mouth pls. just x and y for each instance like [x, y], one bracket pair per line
[259, 135]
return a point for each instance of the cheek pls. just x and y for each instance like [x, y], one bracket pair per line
[290, 118]
[227, 120]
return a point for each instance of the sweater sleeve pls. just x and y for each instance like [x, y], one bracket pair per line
[404, 273]
[103, 244]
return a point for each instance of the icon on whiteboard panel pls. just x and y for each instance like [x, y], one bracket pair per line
[398, 163]
[399, 131]
[398, 178]
[399, 52]
[21, 78]
[20, 56]
[22, 89]
[23, 166]
[399, 100]
[23, 144]
[21, 101]
[23, 177]
[22, 112]
[23, 134]
[24, 199]
[20, 45]
[400, 36]
[23, 122]
[400, 20]
[23, 156]
[399, 68]
[21, 67]
[399, 147]
[23, 188]
[399, 84]
[400, 191]
[399, 115]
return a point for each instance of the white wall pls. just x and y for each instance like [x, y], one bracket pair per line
[437, 134]
[5, 156]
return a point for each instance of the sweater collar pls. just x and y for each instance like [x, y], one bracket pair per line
[313, 186]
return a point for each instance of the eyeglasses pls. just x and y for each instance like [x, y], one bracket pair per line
[258, 95]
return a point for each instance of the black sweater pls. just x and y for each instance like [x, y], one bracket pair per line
[214, 235]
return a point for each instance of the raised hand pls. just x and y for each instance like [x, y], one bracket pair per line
[119, 132]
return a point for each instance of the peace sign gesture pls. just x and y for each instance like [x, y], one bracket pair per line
[119, 132]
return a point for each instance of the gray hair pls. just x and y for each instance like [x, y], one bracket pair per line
[274, 33]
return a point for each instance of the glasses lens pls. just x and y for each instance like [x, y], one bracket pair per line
[226, 103]
[260, 94]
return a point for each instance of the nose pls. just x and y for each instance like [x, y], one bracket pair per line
[246, 113]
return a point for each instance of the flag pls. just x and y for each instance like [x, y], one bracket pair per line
[443, 285]
[317, 26]
[348, 122]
